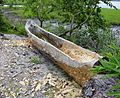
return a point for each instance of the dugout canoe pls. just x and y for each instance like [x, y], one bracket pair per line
[73, 59]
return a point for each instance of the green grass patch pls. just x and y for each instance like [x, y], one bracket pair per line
[112, 16]
[6, 25]
[35, 60]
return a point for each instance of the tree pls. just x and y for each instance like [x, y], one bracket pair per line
[38, 9]
[77, 13]
[83, 12]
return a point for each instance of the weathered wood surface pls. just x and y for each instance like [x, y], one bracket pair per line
[75, 60]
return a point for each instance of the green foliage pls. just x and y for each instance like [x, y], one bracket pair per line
[84, 21]
[35, 60]
[1, 1]
[6, 27]
[97, 41]
[11, 2]
[108, 14]
[112, 68]
[4, 24]
[82, 12]
[38, 9]
[20, 29]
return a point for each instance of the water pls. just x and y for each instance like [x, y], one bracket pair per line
[115, 3]
[7, 5]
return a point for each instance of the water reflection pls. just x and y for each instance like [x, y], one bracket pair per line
[115, 3]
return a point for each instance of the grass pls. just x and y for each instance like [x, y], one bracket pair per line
[112, 16]
[7, 26]
[35, 60]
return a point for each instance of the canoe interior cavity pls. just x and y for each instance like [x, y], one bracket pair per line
[72, 50]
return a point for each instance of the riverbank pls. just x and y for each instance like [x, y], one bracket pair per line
[26, 73]
[30, 71]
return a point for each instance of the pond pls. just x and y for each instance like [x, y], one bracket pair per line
[115, 3]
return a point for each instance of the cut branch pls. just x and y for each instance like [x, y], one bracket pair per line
[71, 30]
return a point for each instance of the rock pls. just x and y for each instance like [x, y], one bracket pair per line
[98, 95]
[89, 92]
[98, 87]
[1, 34]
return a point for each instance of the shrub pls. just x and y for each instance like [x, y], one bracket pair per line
[35, 60]
[97, 41]
[4, 24]
[20, 29]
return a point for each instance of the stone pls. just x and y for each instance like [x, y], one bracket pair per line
[89, 92]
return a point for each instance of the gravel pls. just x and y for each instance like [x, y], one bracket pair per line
[27, 73]
[98, 87]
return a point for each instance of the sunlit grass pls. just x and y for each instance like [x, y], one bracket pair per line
[112, 16]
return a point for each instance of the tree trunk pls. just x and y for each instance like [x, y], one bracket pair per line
[69, 31]
[41, 24]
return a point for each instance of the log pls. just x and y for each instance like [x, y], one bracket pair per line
[73, 59]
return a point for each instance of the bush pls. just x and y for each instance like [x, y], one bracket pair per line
[7, 27]
[20, 29]
[96, 41]
[4, 24]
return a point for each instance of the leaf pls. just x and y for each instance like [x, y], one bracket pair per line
[116, 87]
[114, 93]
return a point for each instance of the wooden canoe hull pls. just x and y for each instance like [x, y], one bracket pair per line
[51, 45]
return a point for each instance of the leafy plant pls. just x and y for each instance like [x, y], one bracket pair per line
[4, 24]
[112, 68]
[35, 60]
[20, 29]
[75, 15]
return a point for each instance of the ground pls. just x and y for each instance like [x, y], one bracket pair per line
[26, 73]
